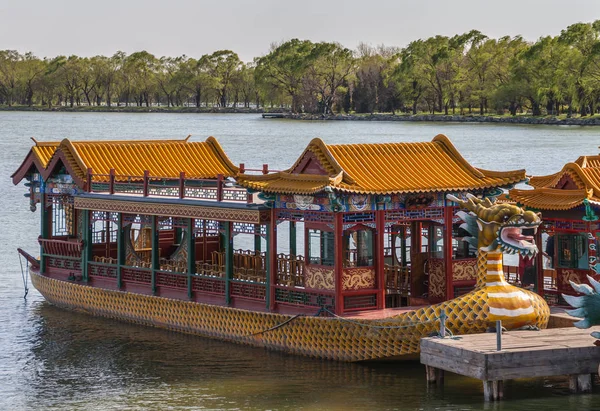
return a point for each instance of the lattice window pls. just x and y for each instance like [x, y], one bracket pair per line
[205, 227]
[307, 216]
[63, 215]
[165, 223]
[137, 219]
[359, 217]
[104, 231]
[105, 216]
[246, 228]
[430, 213]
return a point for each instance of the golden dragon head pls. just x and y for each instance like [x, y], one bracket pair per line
[499, 226]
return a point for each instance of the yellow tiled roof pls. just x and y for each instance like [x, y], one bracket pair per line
[588, 161]
[546, 195]
[551, 198]
[544, 181]
[44, 151]
[384, 168]
[162, 158]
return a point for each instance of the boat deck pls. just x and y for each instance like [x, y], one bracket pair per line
[381, 314]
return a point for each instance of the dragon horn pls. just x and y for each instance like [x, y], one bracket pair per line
[582, 288]
[469, 204]
[578, 312]
[573, 301]
[594, 284]
[455, 199]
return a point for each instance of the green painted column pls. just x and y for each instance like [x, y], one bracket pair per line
[43, 231]
[120, 249]
[292, 238]
[228, 242]
[155, 252]
[191, 262]
[87, 245]
[268, 267]
[257, 242]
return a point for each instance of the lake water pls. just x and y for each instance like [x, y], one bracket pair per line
[52, 359]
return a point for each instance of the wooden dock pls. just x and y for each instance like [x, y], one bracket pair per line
[524, 354]
[273, 115]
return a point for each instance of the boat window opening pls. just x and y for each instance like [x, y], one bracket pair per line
[397, 240]
[358, 249]
[320, 247]
[104, 227]
[62, 217]
[205, 227]
[572, 251]
[461, 248]
[434, 241]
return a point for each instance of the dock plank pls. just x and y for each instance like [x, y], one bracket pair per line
[524, 354]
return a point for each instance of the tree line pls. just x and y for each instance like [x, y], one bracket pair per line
[466, 73]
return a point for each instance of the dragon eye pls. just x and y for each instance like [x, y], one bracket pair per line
[505, 218]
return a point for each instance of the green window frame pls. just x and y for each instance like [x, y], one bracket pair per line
[572, 251]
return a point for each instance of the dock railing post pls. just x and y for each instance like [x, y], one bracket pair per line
[499, 335]
[443, 318]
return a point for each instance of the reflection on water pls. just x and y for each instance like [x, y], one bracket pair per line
[52, 359]
[82, 362]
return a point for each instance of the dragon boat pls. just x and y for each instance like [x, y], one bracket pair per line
[353, 253]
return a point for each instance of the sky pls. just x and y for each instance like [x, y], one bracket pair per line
[195, 27]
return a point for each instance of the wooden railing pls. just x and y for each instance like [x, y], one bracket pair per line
[182, 187]
[61, 248]
[105, 270]
[511, 274]
[397, 279]
[247, 265]
[290, 270]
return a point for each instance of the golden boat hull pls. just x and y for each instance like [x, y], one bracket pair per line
[319, 337]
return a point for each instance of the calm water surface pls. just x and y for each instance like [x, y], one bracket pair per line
[52, 359]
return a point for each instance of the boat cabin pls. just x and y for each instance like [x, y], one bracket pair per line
[346, 228]
[570, 202]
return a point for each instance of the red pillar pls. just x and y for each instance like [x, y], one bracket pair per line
[448, 214]
[380, 258]
[339, 260]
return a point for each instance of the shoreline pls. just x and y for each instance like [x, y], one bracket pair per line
[522, 119]
[549, 120]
